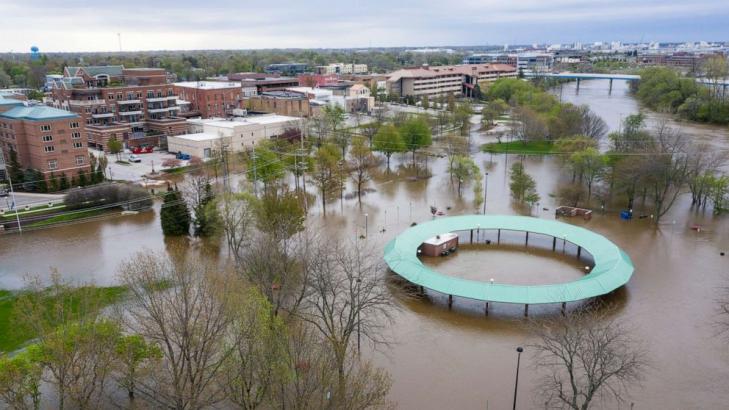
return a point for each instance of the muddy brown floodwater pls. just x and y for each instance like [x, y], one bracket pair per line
[460, 359]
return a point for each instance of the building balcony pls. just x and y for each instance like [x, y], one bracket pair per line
[126, 113]
[102, 115]
[86, 103]
[161, 99]
[174, 108]
[122, 102]
[157, 110]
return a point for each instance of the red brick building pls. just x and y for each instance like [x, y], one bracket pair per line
[46, 139]
[135, 105]
[209, 98]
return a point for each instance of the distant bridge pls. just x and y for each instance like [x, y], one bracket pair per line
[587, 76]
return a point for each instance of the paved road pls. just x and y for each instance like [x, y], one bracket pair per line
[22, 199]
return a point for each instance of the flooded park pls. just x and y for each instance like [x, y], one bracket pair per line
[459, 358]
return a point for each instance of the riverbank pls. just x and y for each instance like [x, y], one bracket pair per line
[542, 147]
[13, 335]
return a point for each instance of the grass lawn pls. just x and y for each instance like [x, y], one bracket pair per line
[39, 210]
[67, 217]
[12, 336]
[519, 147]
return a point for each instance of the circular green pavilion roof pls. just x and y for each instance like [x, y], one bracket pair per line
[612, 269]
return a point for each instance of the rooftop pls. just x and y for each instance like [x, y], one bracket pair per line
[200, 136]
[10, 101]
[112, 70]
[208, 85]
[37, 113]
[239, 121]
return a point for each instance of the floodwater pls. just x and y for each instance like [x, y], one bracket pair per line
[459, 358]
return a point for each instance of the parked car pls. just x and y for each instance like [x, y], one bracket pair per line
[143, 150]
[134, 158]
[3, 190]
[184, 157]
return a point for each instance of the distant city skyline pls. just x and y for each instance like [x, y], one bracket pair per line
[73, 25]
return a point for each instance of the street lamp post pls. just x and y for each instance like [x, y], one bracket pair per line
[359, 282]
[366, 215]
[485, 185]
[516, 383]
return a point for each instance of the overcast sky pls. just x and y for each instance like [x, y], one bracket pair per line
[84, 25]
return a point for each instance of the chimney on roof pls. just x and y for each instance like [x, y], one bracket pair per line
[426, 66]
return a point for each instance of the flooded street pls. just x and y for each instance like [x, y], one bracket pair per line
[460, 359]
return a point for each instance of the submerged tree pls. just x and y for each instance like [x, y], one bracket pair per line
[388, 141]
[587, 358]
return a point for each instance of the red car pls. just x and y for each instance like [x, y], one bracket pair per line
[142, 150]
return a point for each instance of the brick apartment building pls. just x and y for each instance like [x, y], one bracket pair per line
[44, 138]
[134, 105]
[443, 80]
[288, 103]
[209, 98]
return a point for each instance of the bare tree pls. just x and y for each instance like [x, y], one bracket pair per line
[236, 214]
[587, 358]
[667, 169]
[347, 300]
[182, 307]
[361, 162]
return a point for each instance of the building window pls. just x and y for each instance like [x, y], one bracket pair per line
[49, 148]
[44, 127]
[53, 164]
[80, 159]
[47, 138]
[75, 135]
[77, 145]
[74, 124]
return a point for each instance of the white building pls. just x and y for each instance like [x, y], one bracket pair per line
[342, 68]
[237, 134]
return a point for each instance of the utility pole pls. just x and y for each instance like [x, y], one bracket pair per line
[12, 192]
[485, 185]
[255, 174]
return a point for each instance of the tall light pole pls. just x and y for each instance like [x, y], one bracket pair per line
[12, 192]
[359, 282]
[485, 185]
[366, 215]
[516, 383]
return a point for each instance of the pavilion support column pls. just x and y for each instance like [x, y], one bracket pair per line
[526, 310]
[610, 90]
[579, 251]
[578, 86]
[526, 242]
[486, 309]
[471, 235]
[554, 243]
[422, 291]
[450, 301]
[498, 236]
[564, 308]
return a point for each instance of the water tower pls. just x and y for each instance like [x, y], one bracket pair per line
[34, 53]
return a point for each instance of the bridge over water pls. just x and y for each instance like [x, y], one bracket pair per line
[587, 76]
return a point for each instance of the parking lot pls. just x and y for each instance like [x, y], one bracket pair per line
[135, 171]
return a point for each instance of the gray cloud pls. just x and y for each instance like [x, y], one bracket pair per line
[76, 25]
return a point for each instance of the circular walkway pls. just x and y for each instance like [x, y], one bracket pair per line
[612, 269]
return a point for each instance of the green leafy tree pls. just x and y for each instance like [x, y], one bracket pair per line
[326, 172]
[463, 170]
[416, 135]
[279, 215]
[360, 164]
[388, 141]
[424, 102]
[115, 147]
[174, 215]
[522, 185]
[267, 167]
[589, 165]
[20, 379]
[134, 357]
[492, 111]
